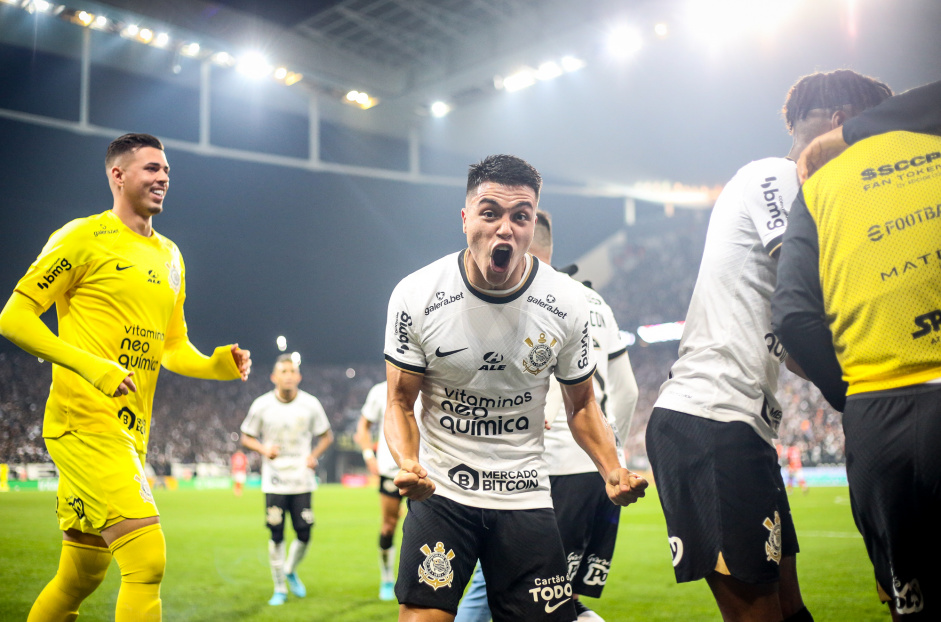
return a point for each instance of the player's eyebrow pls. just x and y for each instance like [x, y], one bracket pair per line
[523, 203]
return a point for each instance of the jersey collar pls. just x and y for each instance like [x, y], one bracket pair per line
[499, 299]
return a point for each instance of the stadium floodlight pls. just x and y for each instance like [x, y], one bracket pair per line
[189, 49]
[130, 30]
[628, 337]
[161, 40]
[254, 65]
[360, 99]
[146, 35]
[439, 109]
[661, 30]
[520, 80]
[282, 343]
[223, 59]
[38, 6]
[548, 70]
[721, 20]
[350, 373]
[85, 18]
[657, 333]
[101, 22]
[571, 63]
[624, 42]
[281, 73]
[296, 358]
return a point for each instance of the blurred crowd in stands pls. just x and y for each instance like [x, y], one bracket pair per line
[197, 421]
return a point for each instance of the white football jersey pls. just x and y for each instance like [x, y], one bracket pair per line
[292, 426]
[563, 454]
[374, 410]
[486, 361]
[729, 359]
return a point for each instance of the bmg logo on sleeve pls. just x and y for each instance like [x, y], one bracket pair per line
[465, 477]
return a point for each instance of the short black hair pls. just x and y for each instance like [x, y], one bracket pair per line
[130, 143]
[505, 170]
[831, 91]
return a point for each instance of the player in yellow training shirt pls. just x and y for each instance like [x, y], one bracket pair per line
[119, 288]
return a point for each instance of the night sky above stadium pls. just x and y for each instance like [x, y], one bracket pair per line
[271, 250]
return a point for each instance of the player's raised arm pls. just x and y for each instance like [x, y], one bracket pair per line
[592, 434]
[401, 431]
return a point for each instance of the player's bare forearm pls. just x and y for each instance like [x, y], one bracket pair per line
[323, 442]
[588, 426]
[250, 442]
[402, 435]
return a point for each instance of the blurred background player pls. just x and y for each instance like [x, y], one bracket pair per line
[119, 288]
[795, 469]
[380, 462]
[587, 521]
[239, 467]
[281, 425]
[858, 302]
[710, 436]
[471, 462]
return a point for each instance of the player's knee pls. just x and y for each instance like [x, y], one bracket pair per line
[303, 534]
[385, 540]
[277, 533]
[141, 555]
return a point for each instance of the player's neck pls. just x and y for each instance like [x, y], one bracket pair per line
[134, 221]
[285, 396]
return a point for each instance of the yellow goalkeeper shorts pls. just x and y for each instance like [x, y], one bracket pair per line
[101, 481]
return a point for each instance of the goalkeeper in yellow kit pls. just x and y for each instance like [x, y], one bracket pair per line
[119, 288]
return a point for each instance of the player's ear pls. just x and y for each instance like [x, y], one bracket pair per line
[464, 219]
[838, 118]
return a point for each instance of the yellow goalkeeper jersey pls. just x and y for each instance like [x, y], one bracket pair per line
[119, 296]
[877, 209]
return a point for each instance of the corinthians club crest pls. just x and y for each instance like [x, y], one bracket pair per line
[773, 545]
[436, 569]
[540, 355]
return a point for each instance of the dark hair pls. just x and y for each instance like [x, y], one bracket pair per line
[543, 234]
[282, 358]
[505, 170]
[831, 91]
[130, 143]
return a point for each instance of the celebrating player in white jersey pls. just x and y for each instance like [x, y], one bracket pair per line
[477, 334]
[587, 522]
[380, 462]
[281, 425]
[710, 437]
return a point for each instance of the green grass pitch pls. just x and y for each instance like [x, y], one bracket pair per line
[217, 567]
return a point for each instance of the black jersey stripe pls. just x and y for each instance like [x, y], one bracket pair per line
[499, 300]
[617, 353]
[415, 369]
[577, 380]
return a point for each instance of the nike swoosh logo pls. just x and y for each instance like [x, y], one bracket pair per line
[119, 268]
[441, 354]
[551, 608]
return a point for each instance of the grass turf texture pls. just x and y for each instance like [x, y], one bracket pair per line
[218, 563]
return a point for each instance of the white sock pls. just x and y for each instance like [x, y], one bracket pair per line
[276, 559]
[387, 564]
[295, 555]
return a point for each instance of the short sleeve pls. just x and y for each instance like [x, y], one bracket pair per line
[375, 404]
[402, 344]
[320, 420]
[252, 424]
[576, 359]
[767, 195]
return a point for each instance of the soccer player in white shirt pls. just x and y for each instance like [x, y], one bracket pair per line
[587, 522]
[477, 334]
[710, 436]
[281, 425]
